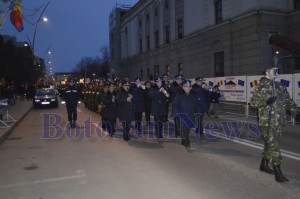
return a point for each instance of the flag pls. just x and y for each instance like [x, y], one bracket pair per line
[221, 83]
[253, 83]
[241, 82]
[210, 83]
[16, 17]
[285, 83]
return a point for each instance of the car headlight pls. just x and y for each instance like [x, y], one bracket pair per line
[37, 100]
[63, 102]
[53, 100]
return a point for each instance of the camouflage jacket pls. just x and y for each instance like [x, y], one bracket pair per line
[278, 109]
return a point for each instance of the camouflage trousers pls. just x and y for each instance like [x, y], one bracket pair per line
[271, 138]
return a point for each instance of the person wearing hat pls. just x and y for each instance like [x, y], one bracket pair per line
[138, 102]
[125, 111]
[202, 95]
[272, 100]
[108, 112]
[174, 89]
[186, 109]
[159, 98]
[71, 97]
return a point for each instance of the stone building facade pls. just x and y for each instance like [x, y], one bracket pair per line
[211, 38]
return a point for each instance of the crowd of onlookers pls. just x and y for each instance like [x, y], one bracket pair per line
[12, 91]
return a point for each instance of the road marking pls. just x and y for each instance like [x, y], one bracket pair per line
[79, 174]
[289, 154]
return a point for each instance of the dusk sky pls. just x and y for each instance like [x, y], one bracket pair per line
[75, 29]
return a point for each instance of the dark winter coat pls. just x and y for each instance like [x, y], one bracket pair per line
[138, 102]
[71, 96]
[159, 102]
[186, 103]
[109, 110]
[125, 110]
[202, 96]
[174, 89]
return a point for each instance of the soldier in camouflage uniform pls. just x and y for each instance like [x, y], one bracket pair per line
[272, 100]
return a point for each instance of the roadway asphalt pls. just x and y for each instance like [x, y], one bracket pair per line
[21, 108]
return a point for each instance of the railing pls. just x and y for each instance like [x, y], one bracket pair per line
[239, 108]
[5, 118]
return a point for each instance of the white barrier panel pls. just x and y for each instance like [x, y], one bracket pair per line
[232, 88]
[252, 82]
[296, 92]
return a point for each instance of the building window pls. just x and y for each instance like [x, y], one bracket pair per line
[148, 42]
[219, 64]
[111, 38]
[140, 23]
[297, 4]
[148, 73]
[112, 56]
[179, 29]
[156, 70]
[168, 70]
[166, 4]
[167, 34]
[156, 11]
[141, 45]
[147, 18]
[180, 69]
[218, 11]
[142, 74]
[156, 40]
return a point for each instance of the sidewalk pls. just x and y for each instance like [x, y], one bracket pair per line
[18, 112]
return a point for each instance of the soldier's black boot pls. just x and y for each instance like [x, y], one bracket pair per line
[279, 177]
[265, 167]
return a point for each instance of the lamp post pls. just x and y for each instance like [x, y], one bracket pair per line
[32, 42]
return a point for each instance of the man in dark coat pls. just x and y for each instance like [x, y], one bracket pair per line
[174, 89]
[109, 113]
[202, 100]
[148, 101]
[125, 110]
[138, 102]
[158, 107]
[71, 97]
[185, 108]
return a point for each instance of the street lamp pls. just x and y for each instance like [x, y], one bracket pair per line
[44, 19]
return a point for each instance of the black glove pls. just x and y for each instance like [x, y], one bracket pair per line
[271, 100]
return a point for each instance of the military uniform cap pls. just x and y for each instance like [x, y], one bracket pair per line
[199, 79]
[125, 83]
[186, 82]
[179, 77]
[138, 79]
[158, 79]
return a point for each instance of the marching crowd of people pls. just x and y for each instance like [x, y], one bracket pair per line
[163, 99]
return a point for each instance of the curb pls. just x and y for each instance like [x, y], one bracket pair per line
[11, 128]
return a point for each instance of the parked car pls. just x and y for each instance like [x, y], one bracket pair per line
[45, 97]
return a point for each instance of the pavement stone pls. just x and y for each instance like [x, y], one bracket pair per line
[17, 112]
